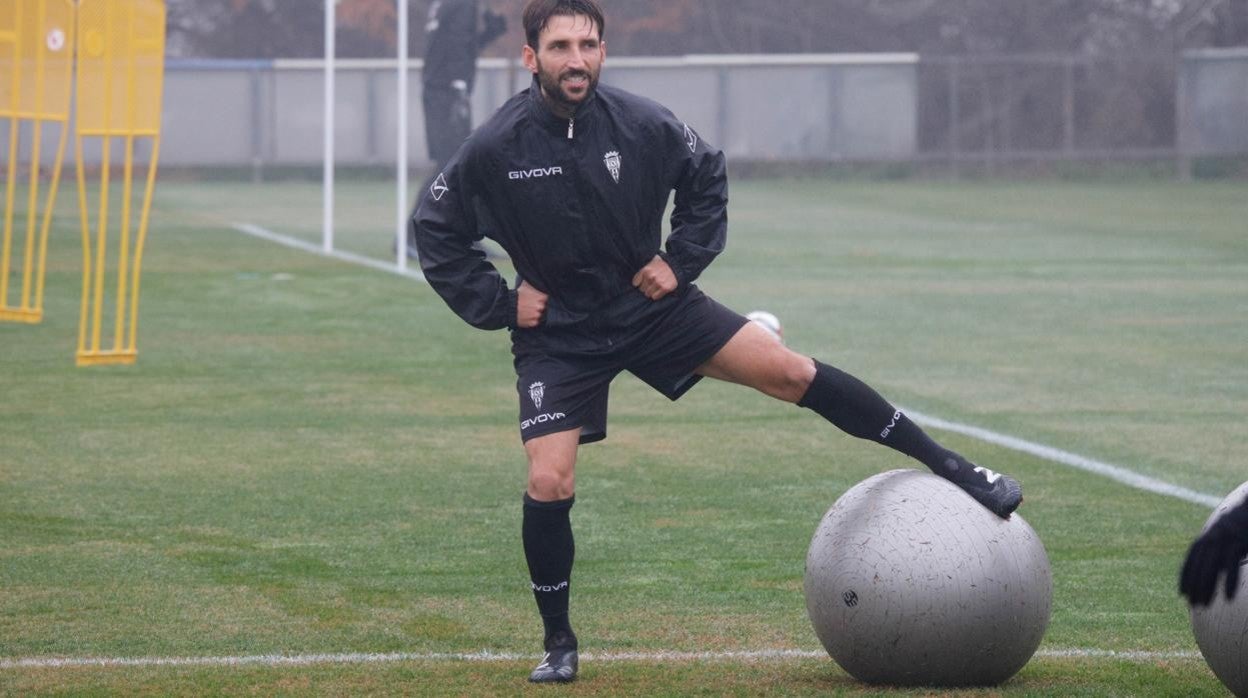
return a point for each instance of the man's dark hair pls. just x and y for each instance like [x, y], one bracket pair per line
[537, 15]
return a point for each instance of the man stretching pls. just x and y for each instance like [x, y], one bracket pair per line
[571, 179]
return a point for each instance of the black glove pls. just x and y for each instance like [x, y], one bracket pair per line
[1220, 549]
[495, 25]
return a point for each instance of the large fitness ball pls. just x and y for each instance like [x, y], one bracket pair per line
[910, 581]
[1221, 628]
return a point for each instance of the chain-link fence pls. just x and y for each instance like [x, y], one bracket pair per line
[871, 107]
[957, 111]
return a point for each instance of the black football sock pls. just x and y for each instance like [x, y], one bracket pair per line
[859, 411]
[549, 549]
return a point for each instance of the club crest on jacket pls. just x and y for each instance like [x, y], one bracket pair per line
[612, 161]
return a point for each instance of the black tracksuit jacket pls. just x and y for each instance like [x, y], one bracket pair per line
[578, 205]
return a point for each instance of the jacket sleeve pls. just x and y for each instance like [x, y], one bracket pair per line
[445, 228]
[700, 217]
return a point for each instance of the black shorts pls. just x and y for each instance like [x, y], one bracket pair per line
[561, 390]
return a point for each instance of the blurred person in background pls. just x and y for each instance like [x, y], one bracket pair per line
[455, 33]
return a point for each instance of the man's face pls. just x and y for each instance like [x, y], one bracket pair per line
[568, 60]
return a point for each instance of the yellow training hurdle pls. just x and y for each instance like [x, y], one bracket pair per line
[36, 73]
[120, 50]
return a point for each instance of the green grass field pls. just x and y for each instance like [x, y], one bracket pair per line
[315, 457]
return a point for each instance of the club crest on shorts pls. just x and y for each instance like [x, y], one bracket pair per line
[612, 161]
[536, 392]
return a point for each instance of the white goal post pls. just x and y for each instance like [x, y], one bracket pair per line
[327, 203]
[327, 167]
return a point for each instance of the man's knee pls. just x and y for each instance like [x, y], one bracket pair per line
[795, 377]
[552, 465]
[787, 375]
[550, 485]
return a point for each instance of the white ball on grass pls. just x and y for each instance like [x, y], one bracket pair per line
[767, 321]
[909, 581]
[1221, 628]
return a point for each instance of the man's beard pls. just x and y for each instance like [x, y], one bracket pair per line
[552, 87]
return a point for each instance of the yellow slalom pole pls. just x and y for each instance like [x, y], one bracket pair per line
[102, 243]
[32, 212]
[123, 259]
[47, 214]
[32, 205]
[138, 245]
[9, 196]
[11, 182]
[106, 159]
[86, 250]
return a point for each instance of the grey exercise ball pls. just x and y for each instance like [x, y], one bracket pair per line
[911, 582]
[1221, 628]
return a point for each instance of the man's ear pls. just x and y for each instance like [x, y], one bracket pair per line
[529, 56]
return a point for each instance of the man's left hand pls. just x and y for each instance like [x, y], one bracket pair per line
[656, 279]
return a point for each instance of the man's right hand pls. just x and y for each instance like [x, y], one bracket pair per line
[530, 306]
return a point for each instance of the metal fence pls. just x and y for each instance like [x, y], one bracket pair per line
[959, 111]
[991, 109]
[1212, 104]
[756, 107]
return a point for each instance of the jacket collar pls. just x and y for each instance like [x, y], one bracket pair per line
[550, 121]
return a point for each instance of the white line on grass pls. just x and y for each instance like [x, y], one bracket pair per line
[274, 660]
[1126, 655]
[302, 245]
[1074, 460]
[1056, 455]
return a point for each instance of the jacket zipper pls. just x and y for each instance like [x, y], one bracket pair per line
[570, 124]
